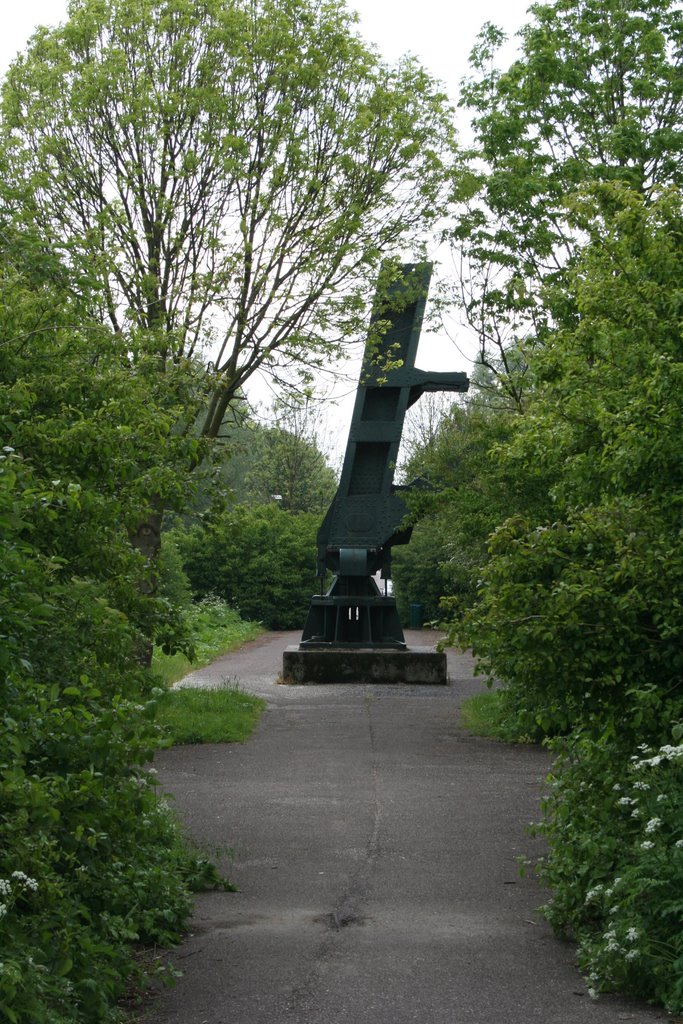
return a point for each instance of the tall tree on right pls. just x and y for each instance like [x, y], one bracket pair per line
[596, 95]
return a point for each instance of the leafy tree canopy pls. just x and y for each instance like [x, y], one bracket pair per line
[226, 174]
[580, 608]
[596, 96]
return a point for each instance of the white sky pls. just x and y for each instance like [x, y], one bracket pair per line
[440, 33]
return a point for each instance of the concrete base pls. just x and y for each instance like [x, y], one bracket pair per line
[418, 665]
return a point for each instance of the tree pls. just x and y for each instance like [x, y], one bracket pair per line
[88, 439]
[469, 494]
[229, 173]
[287, 464]
[580, 611]
[596, 95]
[596, 571]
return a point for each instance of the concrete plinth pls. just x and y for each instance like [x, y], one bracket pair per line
[417, 665]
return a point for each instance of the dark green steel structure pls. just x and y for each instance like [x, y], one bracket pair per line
[364, 520]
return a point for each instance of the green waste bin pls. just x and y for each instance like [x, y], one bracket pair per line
[416, 613]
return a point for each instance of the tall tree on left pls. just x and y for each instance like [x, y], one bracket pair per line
[226, 174]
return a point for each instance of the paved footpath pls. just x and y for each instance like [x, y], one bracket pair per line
[375, 845]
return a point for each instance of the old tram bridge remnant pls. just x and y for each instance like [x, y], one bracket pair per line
[353, 632]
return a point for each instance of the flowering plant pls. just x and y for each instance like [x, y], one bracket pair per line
[620, 838]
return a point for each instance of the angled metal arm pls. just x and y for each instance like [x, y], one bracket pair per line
[364, 520]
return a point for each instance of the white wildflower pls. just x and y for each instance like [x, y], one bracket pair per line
[652, 825]
[635, 813]
[632, 954]
[661, 798]
[667, 752]
[625, 801]
[641, 785]
[612, 946]
[28, 883]
[679, 844]
[647, 845]
[592, 993]
[616, 787]
[5, 887]
[632, 934]
[3, 910]
[611, 934]
[592, 893]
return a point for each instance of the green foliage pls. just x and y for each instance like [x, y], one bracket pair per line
[259, 559]
[224, 715]
[254, 462]
[470, 494]
[213, 628]
[570, 237]
[418, 571]
[614, 821]
[172, 583]
[595, 96]
[91, 862]
[582, 610]
[579, 612]
[486, 714]
[227, 172]
[291, 469]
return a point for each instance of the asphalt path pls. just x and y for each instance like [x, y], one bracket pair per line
[375, 844]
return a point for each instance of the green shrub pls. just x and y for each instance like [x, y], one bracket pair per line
[580, 612]
[173, 584]
[614, 825]
[260, 559]
[213, 628]
[90, 861]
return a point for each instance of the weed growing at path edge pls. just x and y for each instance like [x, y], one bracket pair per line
[224, 715]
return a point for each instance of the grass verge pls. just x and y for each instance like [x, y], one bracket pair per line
[482, 714]
[217, 629]
[485, 715]
[223, 715]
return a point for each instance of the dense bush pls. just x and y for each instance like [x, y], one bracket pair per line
[417, 571]
[91, 862]
[470, 493]
[259, 559]
[581, 613]
[614, 820]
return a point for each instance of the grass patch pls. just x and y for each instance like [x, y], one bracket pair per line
[482, 714]
[485, 714]
[208, 716]
[216, 629]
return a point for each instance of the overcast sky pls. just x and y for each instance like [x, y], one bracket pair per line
[440, 33]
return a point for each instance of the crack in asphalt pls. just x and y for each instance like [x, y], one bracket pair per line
[347, 910]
